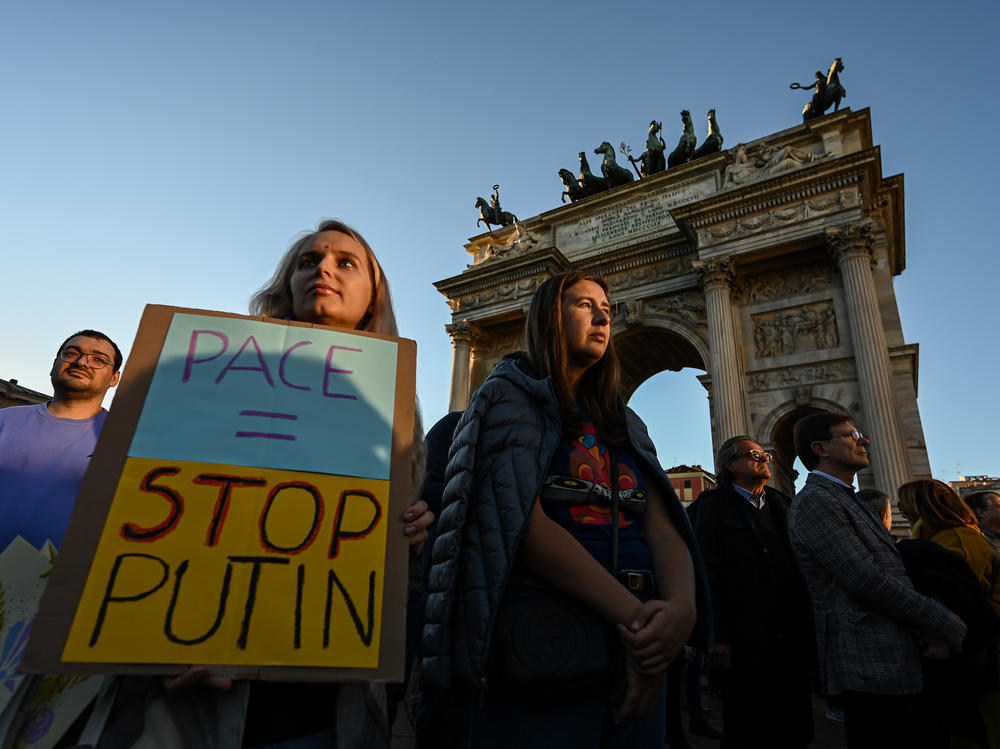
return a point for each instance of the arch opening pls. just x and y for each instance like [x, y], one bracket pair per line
[660, 369]
[645, 351]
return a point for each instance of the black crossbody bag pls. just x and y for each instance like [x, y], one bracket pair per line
[547, 647]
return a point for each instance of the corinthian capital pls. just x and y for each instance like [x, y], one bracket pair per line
[716, 272]
[851, 240]
[462, 332]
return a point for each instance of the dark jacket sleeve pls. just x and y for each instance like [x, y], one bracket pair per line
[438, 444]
[705, 523]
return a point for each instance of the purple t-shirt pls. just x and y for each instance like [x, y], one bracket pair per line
[42, 462]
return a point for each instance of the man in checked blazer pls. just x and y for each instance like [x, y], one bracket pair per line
[872, 626]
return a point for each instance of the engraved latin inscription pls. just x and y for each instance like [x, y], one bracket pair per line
[632, 218]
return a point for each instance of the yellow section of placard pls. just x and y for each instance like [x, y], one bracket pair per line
[218, 564]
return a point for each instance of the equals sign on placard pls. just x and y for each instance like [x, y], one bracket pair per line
[268, 435]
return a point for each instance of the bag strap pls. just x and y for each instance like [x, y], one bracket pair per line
[615, 499]
[580, 491]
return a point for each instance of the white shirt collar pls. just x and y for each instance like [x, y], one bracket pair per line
[833, 479]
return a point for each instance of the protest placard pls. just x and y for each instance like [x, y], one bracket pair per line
[241, 507]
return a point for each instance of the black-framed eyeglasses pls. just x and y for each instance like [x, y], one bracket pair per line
[757, 455]
[854, 434]
[72, 354]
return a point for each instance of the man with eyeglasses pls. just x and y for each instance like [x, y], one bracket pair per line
[45, 448]
[872, 626]
[763, 631]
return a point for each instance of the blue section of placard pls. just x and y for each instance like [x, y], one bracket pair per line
[246, 392]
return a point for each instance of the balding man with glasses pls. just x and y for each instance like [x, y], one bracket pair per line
[763, 646]
[871, 624]
[45, 448]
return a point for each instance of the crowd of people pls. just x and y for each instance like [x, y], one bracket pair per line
[557, 577]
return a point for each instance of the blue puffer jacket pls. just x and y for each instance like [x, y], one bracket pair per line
[498, 460]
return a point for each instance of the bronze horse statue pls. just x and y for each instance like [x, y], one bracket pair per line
[574, 191]
[490, 213]
[828, 92]
[713, 141]
[590, 182]
[615, 174]
[686, 145]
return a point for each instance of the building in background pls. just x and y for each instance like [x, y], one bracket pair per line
[12, 394]
[966, 485]
[690, 481]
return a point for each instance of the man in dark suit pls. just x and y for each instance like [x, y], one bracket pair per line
[763, 631]
[871, 624]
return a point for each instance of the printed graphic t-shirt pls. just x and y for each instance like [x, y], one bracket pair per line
[582, 467]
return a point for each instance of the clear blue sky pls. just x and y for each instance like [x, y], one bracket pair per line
[168, 153]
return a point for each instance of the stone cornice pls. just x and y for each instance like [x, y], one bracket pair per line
[651, 254]
[547, 260]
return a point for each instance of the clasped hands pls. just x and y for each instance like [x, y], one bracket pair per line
[657, 633]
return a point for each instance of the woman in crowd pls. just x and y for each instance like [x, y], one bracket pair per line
[554, 483]
[329, 277]
[938, 514]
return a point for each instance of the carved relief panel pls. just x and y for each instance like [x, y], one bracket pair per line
[794, 330]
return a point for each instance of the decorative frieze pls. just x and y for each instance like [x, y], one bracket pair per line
[794, 330]
[776, 218]
[790, 283]
[808, 374]
[504, 292]
[628, 279]
[688, 306]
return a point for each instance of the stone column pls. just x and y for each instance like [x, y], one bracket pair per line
[851, 247]
[462, 336]
[717, 277]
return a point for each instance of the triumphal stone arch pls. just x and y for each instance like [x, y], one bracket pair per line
[768, 266]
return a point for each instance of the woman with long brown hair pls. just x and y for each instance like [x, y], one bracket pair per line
[554, 493]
